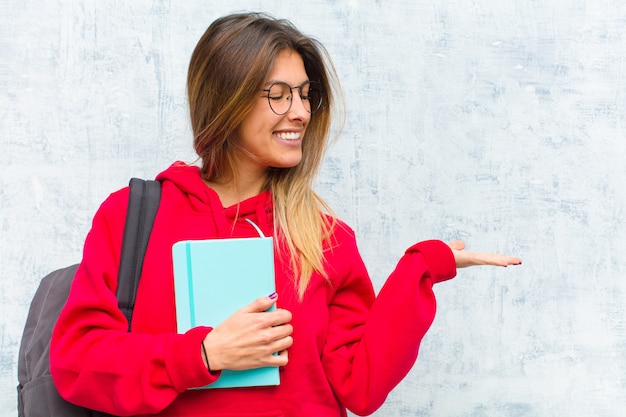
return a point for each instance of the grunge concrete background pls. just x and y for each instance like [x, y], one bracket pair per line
[500, 123]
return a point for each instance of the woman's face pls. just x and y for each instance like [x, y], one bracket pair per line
[275, 140]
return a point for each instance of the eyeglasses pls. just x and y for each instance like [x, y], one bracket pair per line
[280, 96]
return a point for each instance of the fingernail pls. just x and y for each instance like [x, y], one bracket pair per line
[272, 296]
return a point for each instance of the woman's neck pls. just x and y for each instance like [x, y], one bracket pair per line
[234, 191]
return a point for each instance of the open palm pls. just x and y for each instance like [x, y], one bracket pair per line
[465, 258]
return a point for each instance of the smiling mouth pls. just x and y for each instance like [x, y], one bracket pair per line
[289, 135]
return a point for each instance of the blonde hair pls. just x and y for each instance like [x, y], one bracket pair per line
[227, 69]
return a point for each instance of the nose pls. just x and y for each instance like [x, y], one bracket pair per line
[298, 110]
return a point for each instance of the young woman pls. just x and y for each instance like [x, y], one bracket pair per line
[260, 95]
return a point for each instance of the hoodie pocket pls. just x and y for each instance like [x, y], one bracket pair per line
[263, 413]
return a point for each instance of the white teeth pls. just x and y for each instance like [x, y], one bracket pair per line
[289, 135]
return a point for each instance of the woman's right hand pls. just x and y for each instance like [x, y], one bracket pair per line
[250, 338]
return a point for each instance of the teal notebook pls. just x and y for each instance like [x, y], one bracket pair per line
[214, 278]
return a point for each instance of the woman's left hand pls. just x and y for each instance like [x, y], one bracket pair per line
[465, 258]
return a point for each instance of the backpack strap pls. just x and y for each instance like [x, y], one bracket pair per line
[143, 204]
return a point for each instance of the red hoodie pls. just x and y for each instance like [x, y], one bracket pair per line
[350, 349]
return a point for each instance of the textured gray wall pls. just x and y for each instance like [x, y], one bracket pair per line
[499, 122]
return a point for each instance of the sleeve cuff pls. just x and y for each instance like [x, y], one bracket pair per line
[438, 257]
[187, 368]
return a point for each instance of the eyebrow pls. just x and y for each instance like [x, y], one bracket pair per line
[270, 82]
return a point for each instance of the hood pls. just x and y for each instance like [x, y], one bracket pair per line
[230, 221]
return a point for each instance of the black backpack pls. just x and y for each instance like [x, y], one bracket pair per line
[36, 394]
